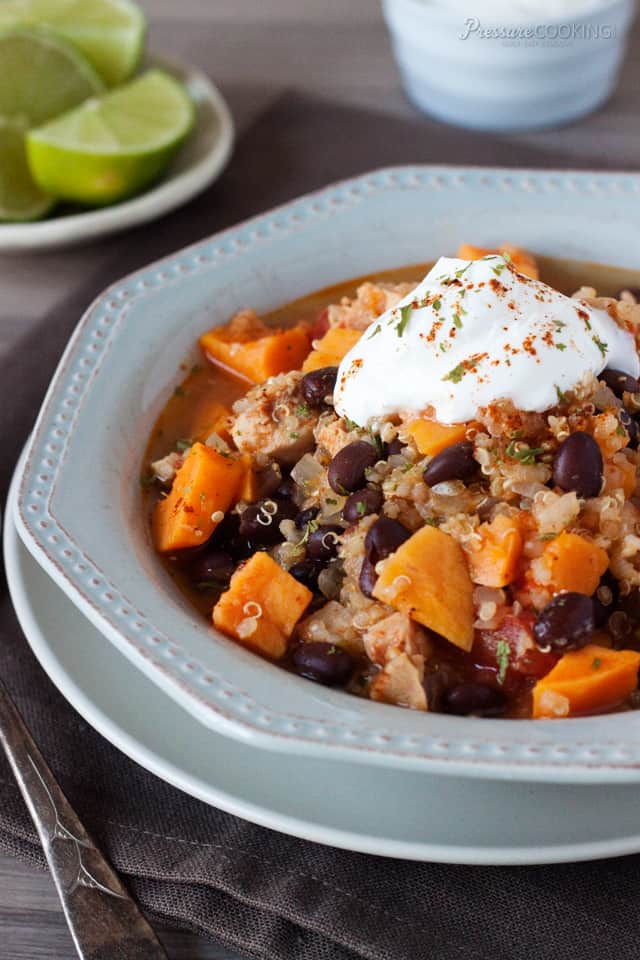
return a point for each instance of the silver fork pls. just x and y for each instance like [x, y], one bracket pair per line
[104, 921]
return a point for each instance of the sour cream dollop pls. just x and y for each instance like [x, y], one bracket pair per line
[472, 333]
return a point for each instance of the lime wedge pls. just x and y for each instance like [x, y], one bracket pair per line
[20, 198]
[42, 76]
[110, 147]
[110, 33]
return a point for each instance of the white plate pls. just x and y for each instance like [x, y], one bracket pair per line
[79, 509]
[198, 163]
[487, 822]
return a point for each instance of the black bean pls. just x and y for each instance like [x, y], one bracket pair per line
[454, 463]
[474, 698]
[630, 425]
[323, 662]
[618, 381]
[285, 489]
[383, 538]
[621, 629]
[211, 566]
[322, 543]
[566, 623]
[578, 465]
[361, 503]
[241, 548]
[395, 447]
[268, 481]
[319, 384]
[227, 537]
[368, 577]
[436, 685]
[630, 604]
[347, 469]
[306, 516]
[261, 521]
[226, 529]
[605, 599]
[307, 572]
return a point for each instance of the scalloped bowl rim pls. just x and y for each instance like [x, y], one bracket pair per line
[235, 692]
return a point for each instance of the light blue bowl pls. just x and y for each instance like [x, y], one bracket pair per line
[79, 508]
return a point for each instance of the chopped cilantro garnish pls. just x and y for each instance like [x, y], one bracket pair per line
[560, 346]
[620, 430]
[302, 410]
[431, 522]
[602, 347]
[525, 455]
[361, 508]
[597, 663]
[330, 500]
[405, 316]
[503, 652]
[457, 321]
[437, 304]
[458, 372]
[310, 528]
[350, 424]
[559, 325]
[294, 436]
[560, 395]
[183, 444]
[375, 331]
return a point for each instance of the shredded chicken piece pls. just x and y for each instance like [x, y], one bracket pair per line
[400, 683]
[273, 421]
[166, 468]
[371, 301]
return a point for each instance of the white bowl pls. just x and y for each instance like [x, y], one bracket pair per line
[202, 158]
[79, 509]
[529, 73]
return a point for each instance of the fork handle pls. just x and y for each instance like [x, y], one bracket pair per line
[104, 921]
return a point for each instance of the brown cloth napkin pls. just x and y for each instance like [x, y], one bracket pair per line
[264, 894]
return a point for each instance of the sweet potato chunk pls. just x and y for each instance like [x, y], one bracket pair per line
[262, 606]
[592, 680]
[431, 437]
[329, 351]
[523, 261]
[428, 579]
[271, 353]
[574, 563]
[495, 561]
[206, 485]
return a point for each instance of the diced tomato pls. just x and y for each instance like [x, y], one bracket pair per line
[519, 659]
